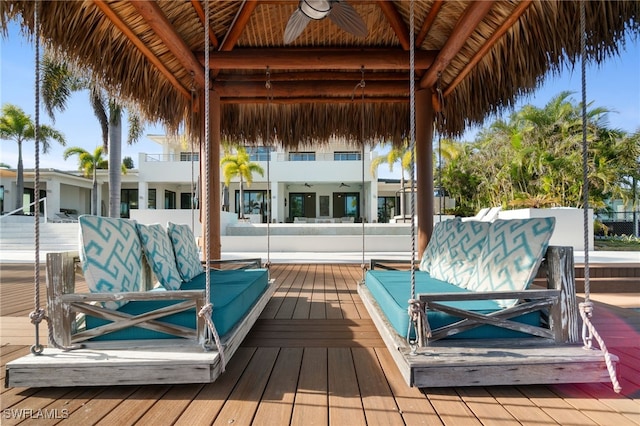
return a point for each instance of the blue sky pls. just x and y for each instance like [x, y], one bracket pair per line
[614, 85]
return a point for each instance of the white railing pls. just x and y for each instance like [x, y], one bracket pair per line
[25, 209]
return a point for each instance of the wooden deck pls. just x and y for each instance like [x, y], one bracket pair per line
[314, 357]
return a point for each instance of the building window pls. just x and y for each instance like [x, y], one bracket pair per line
[188, 201]
[302, 204]
[128, 201]
[346, 204]
[346, 156]
[386, 208]
[169, 199]
[258, 153]
[189, 156]
[302, 156]
[254, 203]
[151, 199]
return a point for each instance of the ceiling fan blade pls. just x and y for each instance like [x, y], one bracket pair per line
[297, 23]
[346, 17]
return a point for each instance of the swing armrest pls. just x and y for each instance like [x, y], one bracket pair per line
[490, 295]
[134, 295]
[250, 263]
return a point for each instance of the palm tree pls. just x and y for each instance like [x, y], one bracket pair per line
[89, 163]
[400, 154]
[17, 126]
[58, 83]
[240, 165]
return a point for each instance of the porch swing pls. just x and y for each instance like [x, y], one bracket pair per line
[465, 325]
[183, 331]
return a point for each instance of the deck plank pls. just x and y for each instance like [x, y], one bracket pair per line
[276, 405]
[311, 402]
[345, 405]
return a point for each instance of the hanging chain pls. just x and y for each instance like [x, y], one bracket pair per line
[362, 85]
[268, 86]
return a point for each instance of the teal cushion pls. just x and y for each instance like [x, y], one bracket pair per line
[233, 294]
[458, 259]
[391, 290]
[186, 251]
[159, 253]
[511, 255]
[111, 255]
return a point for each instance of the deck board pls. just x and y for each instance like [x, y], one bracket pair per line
[328, 367]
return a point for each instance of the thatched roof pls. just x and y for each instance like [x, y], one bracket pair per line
[483, 55]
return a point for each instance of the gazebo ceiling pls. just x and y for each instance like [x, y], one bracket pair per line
[481, 54]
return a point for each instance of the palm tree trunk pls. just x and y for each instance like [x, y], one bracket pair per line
[115, 159]
[94, 193]
[241, 199]
[20, 179]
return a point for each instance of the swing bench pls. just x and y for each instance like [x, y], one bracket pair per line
[488, 325]
[130, 330]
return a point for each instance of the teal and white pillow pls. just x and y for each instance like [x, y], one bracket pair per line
[464, 250]
[159, 253]
[185, 250]
[111, 255]
[511, 255]
[437, 250]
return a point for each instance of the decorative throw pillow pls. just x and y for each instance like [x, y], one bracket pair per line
[459, 262]
[111, 255]
[158, 250]
[186, 251]
[438, 248]
[511, 255]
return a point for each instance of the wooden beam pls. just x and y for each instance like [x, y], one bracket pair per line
[115, 19]
[466, 25]
[428, 22]
[318, 59]
[153, 15]
[197, 6]
[354, 76]
[318, 89]
[396, 22]
[506, 25]
[315, 100]
[238, 25]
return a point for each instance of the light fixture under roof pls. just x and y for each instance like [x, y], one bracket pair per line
[340, 12]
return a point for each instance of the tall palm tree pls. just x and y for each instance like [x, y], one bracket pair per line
[401, 154]
[239, 164]
[58, 83]
[89, 163]
[17, 126]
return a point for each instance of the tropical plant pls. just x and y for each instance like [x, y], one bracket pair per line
[17, 126]
[58, 83]
[89, 163]
[239, 165]
[534, 158]
[401, 154]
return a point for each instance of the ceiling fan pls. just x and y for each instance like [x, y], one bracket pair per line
[340, 12]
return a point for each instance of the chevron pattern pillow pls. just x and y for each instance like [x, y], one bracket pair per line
[111, 255]
[186, 251]
[511, 255]
[158, 250]
[458, 255]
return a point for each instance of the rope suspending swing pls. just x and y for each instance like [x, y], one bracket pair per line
[362, 84]
[38, 314]
[417, 316]
[207, 309]
[586, 307]
[269, 87]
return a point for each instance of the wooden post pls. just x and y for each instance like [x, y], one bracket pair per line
[211, 200]
[561, 276]
[61, 275]
[424, 167]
